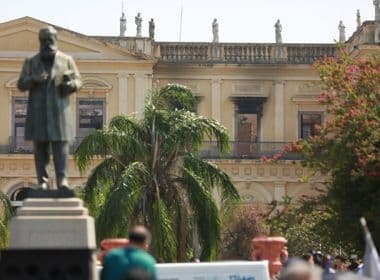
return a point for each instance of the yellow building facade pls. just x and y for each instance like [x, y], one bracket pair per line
[265, 94]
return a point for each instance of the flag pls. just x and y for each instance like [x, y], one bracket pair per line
[371, 264]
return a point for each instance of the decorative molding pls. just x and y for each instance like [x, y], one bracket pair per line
[309, 87]
[305, 99]
[249, 89]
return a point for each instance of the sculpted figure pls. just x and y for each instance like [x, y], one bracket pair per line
[358, 20]
[215, 31]
[342, 32]
[50, 77]
[151, 28]
[278, 29]
[377, 9]
[138, 21]
[123, 25]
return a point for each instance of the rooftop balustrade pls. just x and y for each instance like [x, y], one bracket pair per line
[243, 53]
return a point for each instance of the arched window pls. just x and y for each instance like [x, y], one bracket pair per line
[19, 192]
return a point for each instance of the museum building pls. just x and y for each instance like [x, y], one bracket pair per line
[265, 94]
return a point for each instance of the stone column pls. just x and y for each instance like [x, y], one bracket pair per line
[216, 99]
[279, 111]
[123, 92]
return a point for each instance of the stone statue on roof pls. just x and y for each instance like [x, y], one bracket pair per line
[151, 28]
[138, 21]
[358, 19]
[342, 32]
[377, 9]
[215, 31]
[278, 29]
[123, 25]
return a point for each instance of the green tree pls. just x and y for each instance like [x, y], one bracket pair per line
[6, 213]
[347, 147]
[151, 173]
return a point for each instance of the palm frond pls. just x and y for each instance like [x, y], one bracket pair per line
[6, 213]
[94, 144]
[4, 235]
[212, 176]
[182, 227]
[121, 145]
[121, 201]
[127, 124]
[176, 96]
[206, 213]
[164, 241]
[190, 129]
[104, 175]
[6, 208]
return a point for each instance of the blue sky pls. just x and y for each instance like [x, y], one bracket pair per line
[303, 21]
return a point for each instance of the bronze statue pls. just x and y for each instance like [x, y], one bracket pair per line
[50, 77]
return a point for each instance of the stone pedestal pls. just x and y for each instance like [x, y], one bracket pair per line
[269, 248]
[44, 223]
[50, 238]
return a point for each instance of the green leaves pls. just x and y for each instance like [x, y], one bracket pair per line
[150, 173]
[6, 213]
[348, 145]
[162, 225]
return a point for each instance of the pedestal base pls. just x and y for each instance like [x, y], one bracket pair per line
[44, 223]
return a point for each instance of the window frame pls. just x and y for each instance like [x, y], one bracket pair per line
[301, 113]
[78, 99]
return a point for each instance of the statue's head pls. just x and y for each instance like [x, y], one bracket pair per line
[48, 41]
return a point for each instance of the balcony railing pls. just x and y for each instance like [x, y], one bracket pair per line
[239, 149]
[249, 150]
[17, 145]
[243, 53]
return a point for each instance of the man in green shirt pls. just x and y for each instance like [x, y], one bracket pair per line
[120, 263]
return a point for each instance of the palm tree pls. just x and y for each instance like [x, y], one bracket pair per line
[151, 173]
[6, 213]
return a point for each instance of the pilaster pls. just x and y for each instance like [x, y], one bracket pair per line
[143, 84]
[216, 99]
[279, 111]
[123, 92]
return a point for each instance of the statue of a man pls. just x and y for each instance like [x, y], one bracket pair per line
[50, 77]
[138, 21]
[358, 19]
[342, 32]
[215, 31]
[151, 29]
[278, 29]
[377, 9]
[123, 25]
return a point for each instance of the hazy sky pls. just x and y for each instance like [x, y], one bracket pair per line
[303, 21]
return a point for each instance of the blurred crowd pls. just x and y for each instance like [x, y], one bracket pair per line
[315, 265]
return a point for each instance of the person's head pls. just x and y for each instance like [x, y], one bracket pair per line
[140, 237]
[48, 41]
[339, 261]
[308, 257]
[300, 270]
[284, 255]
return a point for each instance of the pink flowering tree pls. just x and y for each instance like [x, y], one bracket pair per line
[347, 147]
